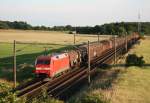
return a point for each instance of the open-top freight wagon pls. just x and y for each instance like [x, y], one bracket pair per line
[54, 64]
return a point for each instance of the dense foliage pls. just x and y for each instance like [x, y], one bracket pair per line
[111, 28]
[7, 96]
[115, 28]
[134, 60]
[15, 25]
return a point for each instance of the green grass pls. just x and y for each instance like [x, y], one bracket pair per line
[7, 48]
[26, 55]
[133, 86]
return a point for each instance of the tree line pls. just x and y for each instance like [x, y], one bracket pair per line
[111, 28]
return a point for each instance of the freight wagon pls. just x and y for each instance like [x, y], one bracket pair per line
[62, 62]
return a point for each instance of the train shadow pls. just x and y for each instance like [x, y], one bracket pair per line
[25, 65]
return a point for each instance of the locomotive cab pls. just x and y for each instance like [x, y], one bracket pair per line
[43, 65]
[50, 66]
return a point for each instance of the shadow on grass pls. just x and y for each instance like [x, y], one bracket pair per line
[131, 60]
[106, 78]
[25, 65]
[124, 65]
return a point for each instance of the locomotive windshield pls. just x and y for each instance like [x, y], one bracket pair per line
[45, 62]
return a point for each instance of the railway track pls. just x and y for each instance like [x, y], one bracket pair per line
[63, 87]
[37, 82]
[58, 85]
[29, 83]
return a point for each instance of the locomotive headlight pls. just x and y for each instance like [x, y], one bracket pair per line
[45, 68]
[42, 68]
[38, 68]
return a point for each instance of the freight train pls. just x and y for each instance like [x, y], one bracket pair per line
[57, 63]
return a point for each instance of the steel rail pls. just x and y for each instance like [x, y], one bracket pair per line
[78, 76]
[67, 78]
[67, 75]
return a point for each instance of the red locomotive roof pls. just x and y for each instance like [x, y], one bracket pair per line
[59, 56]
[54, 56]
[44, 57]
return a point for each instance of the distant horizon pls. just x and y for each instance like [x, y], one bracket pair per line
[74, 25]
[74, 12]
[77, 25]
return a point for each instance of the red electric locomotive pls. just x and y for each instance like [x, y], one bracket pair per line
[52, 65]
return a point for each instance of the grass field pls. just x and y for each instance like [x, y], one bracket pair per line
[129, 85]
[133, 86]
[33, 44]
[45, 37]
[26, 55]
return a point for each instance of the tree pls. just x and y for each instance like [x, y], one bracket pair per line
[3, 25]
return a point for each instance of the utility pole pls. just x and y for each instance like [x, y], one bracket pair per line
[89, 66]
[104, 30]
[98, 37]
[126, 44]
[139, 23]
[14, 68]
[134, 38]
[115, 50]
[74, 36]
[45, 50]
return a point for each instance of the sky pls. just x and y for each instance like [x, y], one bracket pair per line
[74, 12]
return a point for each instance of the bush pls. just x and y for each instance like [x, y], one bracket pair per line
[44, 98]
[9, 97]
[142, 37]
[134, 60]
[91, 99]
[70, 32]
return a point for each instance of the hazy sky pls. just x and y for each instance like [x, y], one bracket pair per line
[74, 12]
